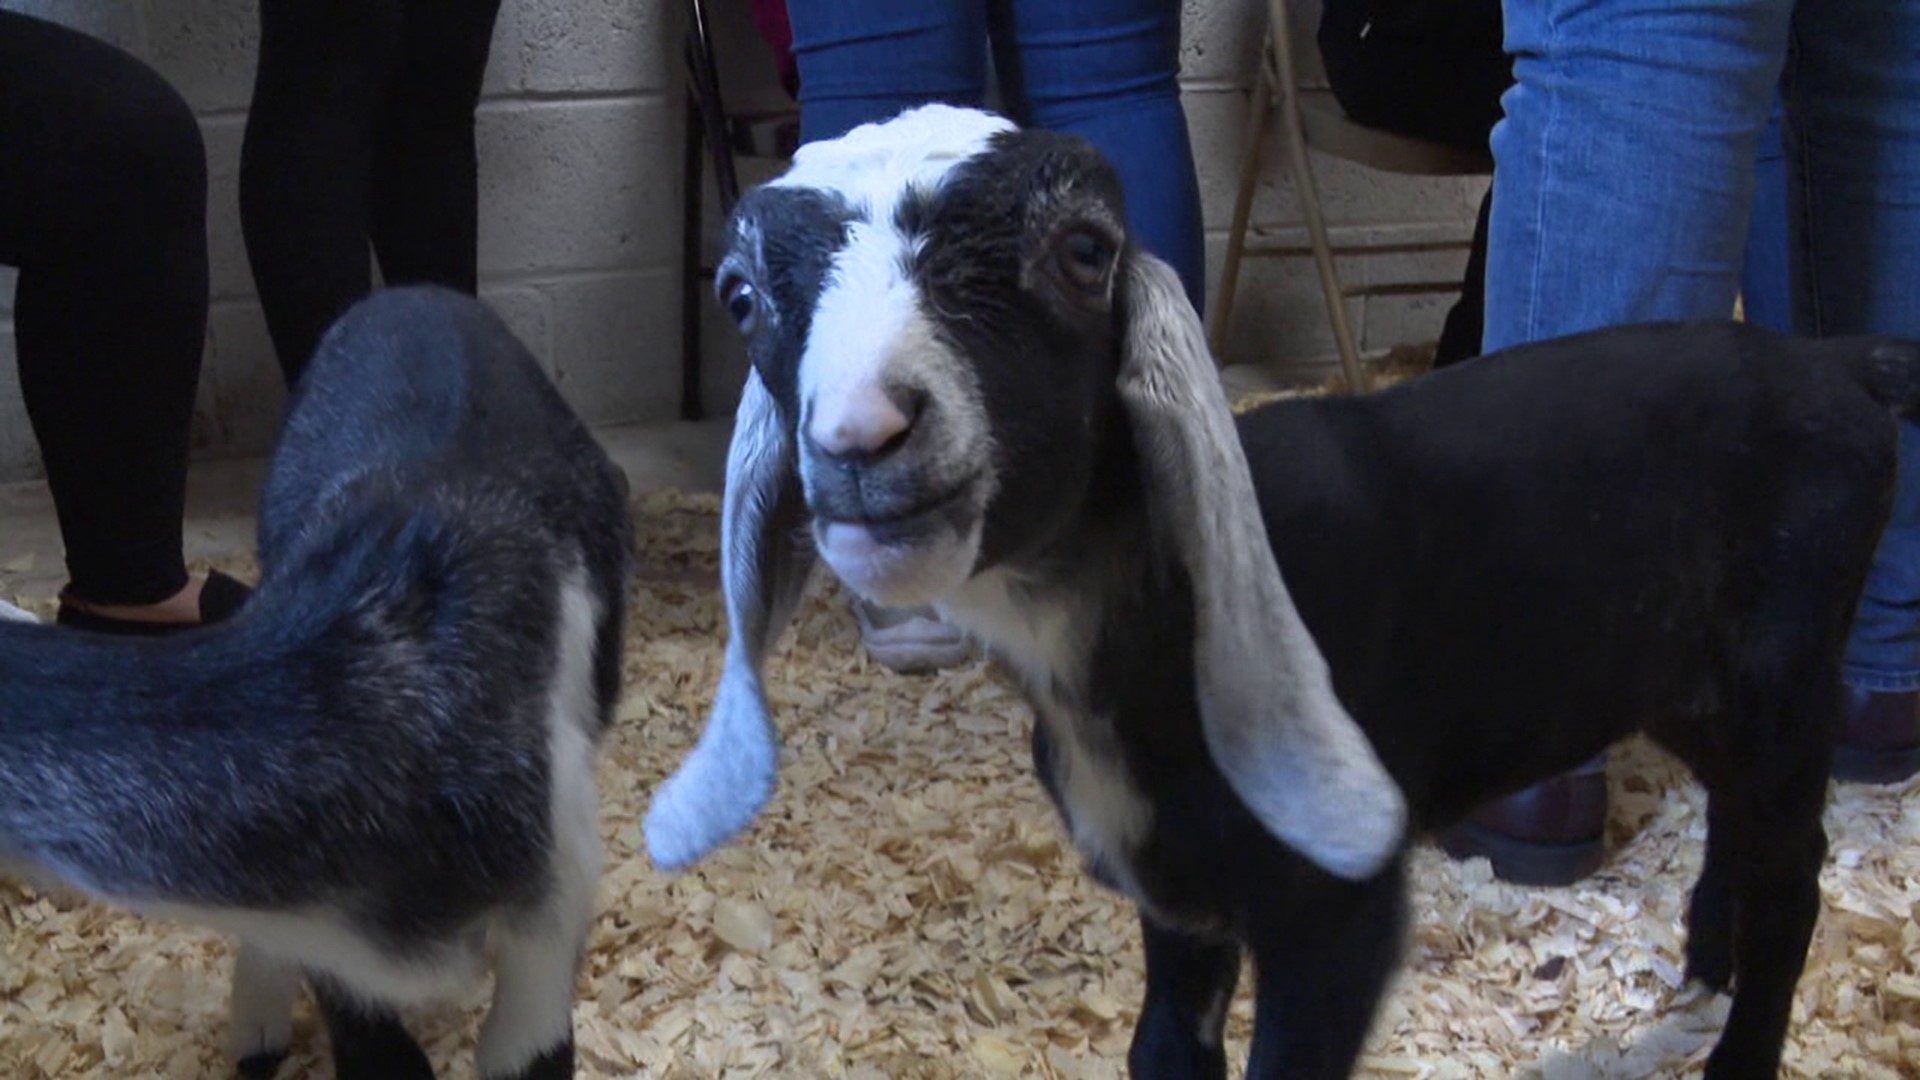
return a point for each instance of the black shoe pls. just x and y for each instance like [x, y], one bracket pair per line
[220, 598]
[1553, 833]
[1880, 739]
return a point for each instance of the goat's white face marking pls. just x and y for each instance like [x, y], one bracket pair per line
[876, 163]
[951, 464]
[859, 338]
[871, 336]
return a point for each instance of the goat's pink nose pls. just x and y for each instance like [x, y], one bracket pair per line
[866, 420]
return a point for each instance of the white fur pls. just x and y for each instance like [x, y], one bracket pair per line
[1046, 645]
[874, 163]
[902, 347]
[1213, 1019]
[725, 779]
[8, 611]
[319, 938]
[537, 956]
[728, 776]
[858, 327]
[260, 1005]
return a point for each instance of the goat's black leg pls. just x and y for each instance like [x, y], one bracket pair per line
[1767, 777]
[1711, 914]
[1320, 981]
[1190, 982]
[1776, 884]
[369, 1042]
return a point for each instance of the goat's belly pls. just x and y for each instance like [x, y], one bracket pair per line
[321, 939]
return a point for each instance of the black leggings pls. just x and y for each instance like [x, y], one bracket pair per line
[103, 208]
[361, 129]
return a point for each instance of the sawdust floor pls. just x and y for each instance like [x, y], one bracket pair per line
[906, 909]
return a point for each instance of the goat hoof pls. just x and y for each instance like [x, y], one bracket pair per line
[263, 1065]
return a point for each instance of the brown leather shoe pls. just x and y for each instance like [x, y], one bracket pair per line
[1553, 833]
[1880, 740]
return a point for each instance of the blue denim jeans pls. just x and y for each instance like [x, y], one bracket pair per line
[1107, 70]
[1626, 176]
[1766, 288]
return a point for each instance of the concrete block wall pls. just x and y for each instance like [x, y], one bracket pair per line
[579, 136]
[580, 201]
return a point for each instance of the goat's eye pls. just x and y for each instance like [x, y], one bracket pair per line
[1086, 256]
[742, 301]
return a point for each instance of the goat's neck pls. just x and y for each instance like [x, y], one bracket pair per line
[1042, 616]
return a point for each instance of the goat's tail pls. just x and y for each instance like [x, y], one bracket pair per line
[1890, 371]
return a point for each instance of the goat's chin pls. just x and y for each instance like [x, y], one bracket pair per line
[897, 572]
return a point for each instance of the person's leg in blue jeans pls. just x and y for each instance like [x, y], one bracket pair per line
[1106, 70]
[1852, 90]
[1624, 181]
[1625, 161]
[1766, 293]
[1109, 71]
[1621, 191]
[862, 62]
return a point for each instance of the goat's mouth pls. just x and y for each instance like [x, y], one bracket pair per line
[907, 555]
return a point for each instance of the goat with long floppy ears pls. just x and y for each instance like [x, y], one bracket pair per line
[853, 360]
[972, 389]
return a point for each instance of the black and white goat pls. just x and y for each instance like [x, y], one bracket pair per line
[972, 389]
[380, 773]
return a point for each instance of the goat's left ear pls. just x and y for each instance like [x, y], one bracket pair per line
[1272, 722]
[765, 561]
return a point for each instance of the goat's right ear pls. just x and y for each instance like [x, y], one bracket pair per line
[764, 562]
[1272, 722]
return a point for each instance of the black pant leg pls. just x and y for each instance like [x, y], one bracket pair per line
[103, 193]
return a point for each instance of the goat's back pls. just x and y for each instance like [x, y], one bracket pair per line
[1510, 559]
[423, 386]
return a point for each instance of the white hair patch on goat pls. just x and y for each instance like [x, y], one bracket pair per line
[321, 938]
[1046, 645]
[861, 320]
[260, 1004]
[875, 164]
[8, 611]
[537, 954]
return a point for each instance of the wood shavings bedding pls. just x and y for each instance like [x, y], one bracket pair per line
[906, 908]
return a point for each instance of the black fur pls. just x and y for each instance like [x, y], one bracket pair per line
[1508, 565]
[793, 235]
[369, 738]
